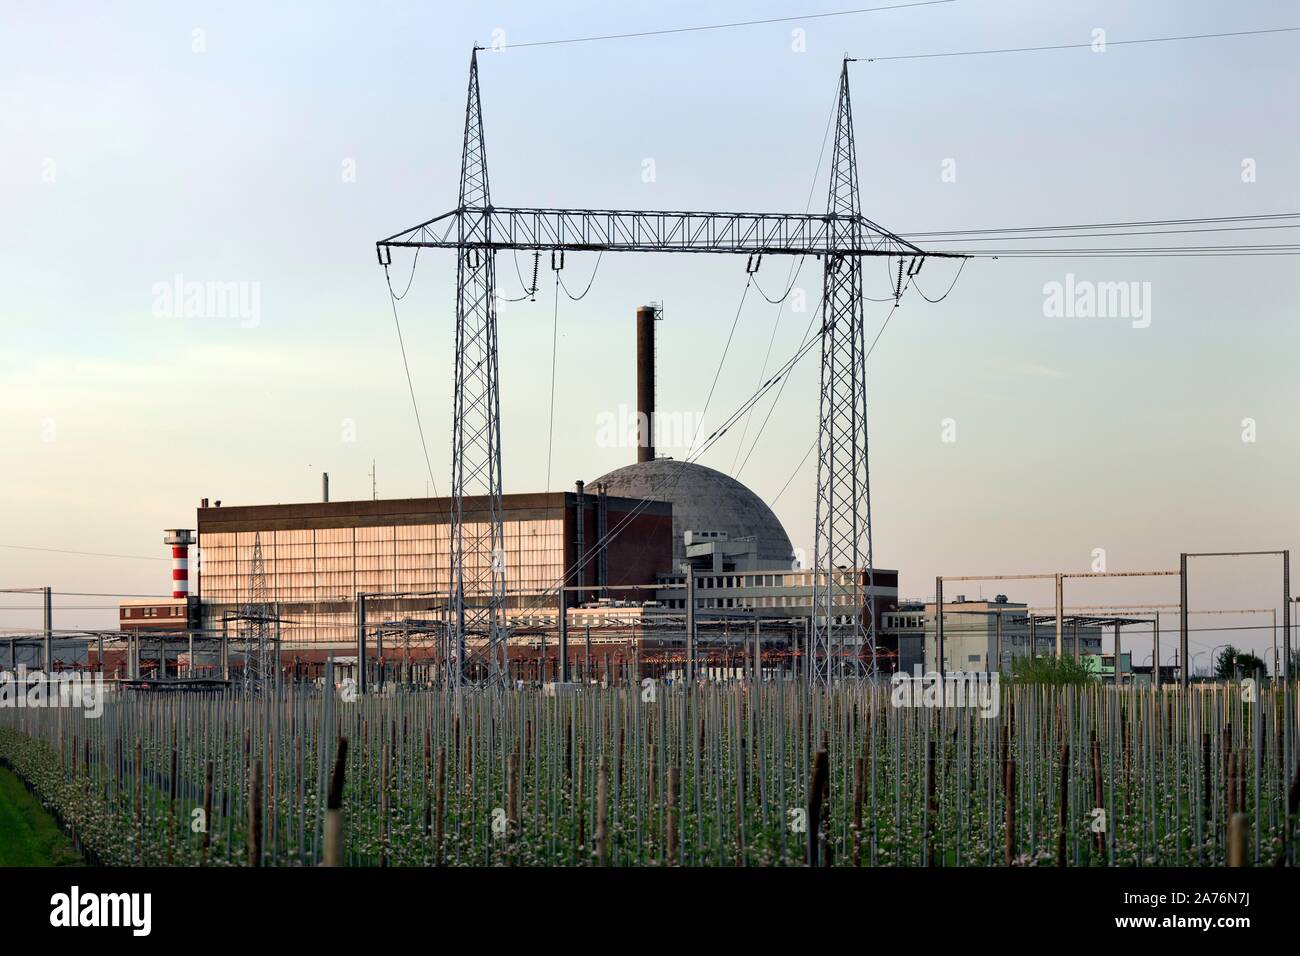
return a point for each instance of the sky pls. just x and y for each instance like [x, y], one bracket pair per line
[268, 146]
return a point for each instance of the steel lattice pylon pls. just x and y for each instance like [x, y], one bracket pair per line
[841, 641]
[257, 621]
[477, 558]
[476, 230]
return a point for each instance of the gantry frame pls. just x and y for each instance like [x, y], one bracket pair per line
[840, 237]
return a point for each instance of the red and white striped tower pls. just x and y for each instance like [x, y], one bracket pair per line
[180, 539]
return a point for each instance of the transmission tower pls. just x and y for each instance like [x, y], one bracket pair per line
[840, 237]
[477, 555]
[840, 637]
[257, 622]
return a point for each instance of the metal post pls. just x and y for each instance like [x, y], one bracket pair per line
[758, 653]
[690, 625]
[1060, 615]
[586, 640]
[1286, 615]
[938, 624]
[361, 642]
[1155, 650]
[997, 624]
[1182, 620]
[564, 640]
[49, 630]
[189, 670]
[101, 654]
[1288, 739]
[1119, 679]
[1274, 670]
[276, 682]
[580, 542]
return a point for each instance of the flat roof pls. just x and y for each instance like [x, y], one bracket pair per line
[401, 511]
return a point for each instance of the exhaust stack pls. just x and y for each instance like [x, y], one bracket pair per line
[180, 539]
[645, 381]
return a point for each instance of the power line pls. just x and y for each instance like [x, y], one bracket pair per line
[951, 286]
[89, 554]
[792, 276]
[724, 26]
[796, 471]
[804, 459]
[1129, 224]
[590, 282]
[1077, 46]
[406, 366]
[1140, 252]
[1111, 235]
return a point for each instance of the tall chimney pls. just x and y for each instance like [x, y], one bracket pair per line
[180, 539]
[324, 486]
[645, 382]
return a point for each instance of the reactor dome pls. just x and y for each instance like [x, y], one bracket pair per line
[702, 500]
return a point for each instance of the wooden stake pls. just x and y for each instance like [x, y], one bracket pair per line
[602, 807]
[1238, 836]
[1009, 787]
[674, 789]
[333, 855]
[1062, 805]
[442, 804]
[816, 793]
[255, 814]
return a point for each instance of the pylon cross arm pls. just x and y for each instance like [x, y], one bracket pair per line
[629, 230]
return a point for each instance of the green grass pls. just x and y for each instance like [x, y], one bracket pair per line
[28, 835]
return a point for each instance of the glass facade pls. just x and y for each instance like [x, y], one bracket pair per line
[315, 573]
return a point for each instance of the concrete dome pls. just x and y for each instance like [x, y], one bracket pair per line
[702, 500]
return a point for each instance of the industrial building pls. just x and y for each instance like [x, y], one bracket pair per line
[983, 635]
[622, 544]
[317, 557]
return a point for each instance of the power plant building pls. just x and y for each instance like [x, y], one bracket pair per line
[318, 556]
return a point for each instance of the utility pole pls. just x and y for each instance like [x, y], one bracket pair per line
[1060, 616]
[1182, 621]
[564, 639]
[48, 608]
[690, 626]
[938, 625]
[361, 642]
[1155, 649]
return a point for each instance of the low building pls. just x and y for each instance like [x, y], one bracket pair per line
[974, 629]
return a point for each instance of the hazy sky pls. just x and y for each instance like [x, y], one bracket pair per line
[270, 145]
